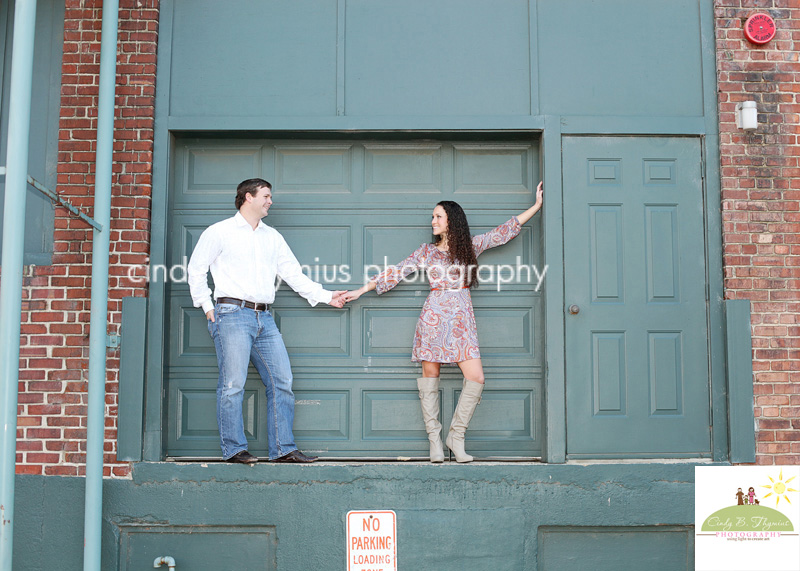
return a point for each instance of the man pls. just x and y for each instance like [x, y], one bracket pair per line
[245, 257]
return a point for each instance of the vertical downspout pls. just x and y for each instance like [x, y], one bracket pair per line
[19, 124]
[93, 516]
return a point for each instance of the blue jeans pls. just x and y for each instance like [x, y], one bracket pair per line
[242, 336]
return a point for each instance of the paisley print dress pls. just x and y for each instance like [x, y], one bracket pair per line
[446, 330]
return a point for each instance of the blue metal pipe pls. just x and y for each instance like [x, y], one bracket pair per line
[19, 121]
[93, 516]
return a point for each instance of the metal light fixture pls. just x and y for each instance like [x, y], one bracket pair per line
[747, 116]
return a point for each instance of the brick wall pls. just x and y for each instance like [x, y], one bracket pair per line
[56, 298]
[761, 209]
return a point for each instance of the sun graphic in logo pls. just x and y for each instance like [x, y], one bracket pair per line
[779, 488]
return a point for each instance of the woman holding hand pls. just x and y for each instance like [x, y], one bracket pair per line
[446, 330]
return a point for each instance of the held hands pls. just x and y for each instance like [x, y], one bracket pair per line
[338, 300]
[353, 295]
[348, 296]
[342, 297]
[356, 293]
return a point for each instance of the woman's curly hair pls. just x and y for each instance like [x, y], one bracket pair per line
[459, 241]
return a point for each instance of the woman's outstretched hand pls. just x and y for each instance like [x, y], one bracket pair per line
[528, 214]
[353, 295]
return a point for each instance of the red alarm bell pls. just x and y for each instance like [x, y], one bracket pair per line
[759, 28]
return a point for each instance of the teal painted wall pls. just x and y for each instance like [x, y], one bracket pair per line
[449, 517]
[620, 58]
[350, 202]
[543, 67]
[450, 58]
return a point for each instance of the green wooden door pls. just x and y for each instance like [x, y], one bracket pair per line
[343, 204]
[637, 348]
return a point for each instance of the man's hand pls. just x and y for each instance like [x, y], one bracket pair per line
[338, 299]
[210, 315]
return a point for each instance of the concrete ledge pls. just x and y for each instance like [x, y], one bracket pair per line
[449, 517]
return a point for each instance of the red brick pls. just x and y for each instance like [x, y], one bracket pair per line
[44, 409]
[29, 445]
[42, 458]
[63, 421]
[29, 469]
[757, 172]
[64, 398]
[64, 375]
[43, 433]
[60, 445]
[29, 421]
[60, 470]
[45, 386]
[27, 398]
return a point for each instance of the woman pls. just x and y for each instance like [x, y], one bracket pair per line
[446, 331]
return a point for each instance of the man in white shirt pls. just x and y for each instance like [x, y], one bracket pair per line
[245, 257]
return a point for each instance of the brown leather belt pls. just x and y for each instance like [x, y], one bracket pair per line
[243, 303]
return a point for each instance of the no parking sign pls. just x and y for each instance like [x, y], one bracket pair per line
[371, 541]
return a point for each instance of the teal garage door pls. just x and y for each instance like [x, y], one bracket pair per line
[344, 205]
[635, 290]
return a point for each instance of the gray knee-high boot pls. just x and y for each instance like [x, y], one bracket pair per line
[429, 399]
[467, 402]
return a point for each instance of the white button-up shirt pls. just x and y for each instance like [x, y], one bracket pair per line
[245, 264]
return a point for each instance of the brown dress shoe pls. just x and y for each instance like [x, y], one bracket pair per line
[296, 457]
[243, 457]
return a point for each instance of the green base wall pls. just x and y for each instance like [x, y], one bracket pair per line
[292, 517]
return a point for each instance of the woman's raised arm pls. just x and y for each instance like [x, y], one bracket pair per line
[528, 214]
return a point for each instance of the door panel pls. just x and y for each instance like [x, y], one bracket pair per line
[347, 208]
[637, 357]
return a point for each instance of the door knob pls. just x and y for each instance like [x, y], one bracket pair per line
[574, 309]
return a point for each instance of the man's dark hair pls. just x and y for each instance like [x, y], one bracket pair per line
[250, 186]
